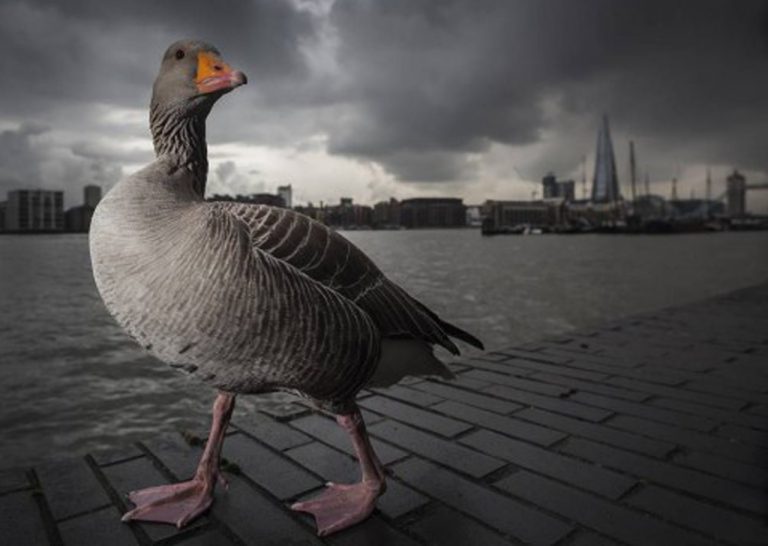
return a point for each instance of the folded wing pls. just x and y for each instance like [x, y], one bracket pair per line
[333, 261]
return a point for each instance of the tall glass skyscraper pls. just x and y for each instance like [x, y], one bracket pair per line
[605, 184]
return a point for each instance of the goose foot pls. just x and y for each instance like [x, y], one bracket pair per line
[341, 505]
[177, 504]
[180, 503]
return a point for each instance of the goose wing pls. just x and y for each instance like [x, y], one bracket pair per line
[333, 261]
[302, 335]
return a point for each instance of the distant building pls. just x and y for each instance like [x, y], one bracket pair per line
[270, 199]
[349, 215]
[316, 213]
[287, 194]
[3, 207]
[549, 186]
[92, 195]
[650, 207]
[554, 189]
[35, 210]
[78, 219]
[386, 214]
[511, 214]
[605, 183]
[566, 189]
[695, 208]
[736, 191]
[430, 212]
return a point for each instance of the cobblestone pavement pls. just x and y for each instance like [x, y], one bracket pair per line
[648, 430]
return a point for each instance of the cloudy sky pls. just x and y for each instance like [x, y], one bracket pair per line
[372, 99]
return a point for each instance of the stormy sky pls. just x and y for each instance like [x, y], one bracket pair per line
[371, 99]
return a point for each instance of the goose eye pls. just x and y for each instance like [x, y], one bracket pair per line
[179, 54]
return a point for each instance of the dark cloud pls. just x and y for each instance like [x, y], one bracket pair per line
[30, 158]
[84, 50]
[424, 89]
[456, 76]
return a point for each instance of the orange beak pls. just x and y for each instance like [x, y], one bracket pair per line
[213, 74]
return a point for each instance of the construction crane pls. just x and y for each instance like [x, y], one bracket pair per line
[535, 191]
[633, 170]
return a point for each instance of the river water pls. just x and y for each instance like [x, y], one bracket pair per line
[72, 382]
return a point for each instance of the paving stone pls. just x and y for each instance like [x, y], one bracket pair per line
[599, 432]
[580, 345]
[758, 382]
[747, 474]
[585, 475]
[213, 537]
[443, 526]
[373, 531]
[139, 474]
[257, 520]
[663, 473]
[338, 467]
[332, 434]
[607, 357]
[463, 380]
[492, 356]
[689, 438]
[278, 435]
[176, 454]
[20, 520]
[111, 456]
[538, 356]
[100, 527]
[589, 386]
[448, 453]
[692, 360]
[570, 370]
[761, 410]
[676, 392]
[470, 398]
[716, 381]
[743, 434]
[523, 384]
[587, 538]
[663, 376]
[714, 521]
[593, 512]
[71, 488]
[285, 411]
[274, 473]
[499, 511]
[654, 414]
[13, 479]
[511, 426]
[500, 367]
[554, 404]
[411, 396]
[715, 414]
[418, 417]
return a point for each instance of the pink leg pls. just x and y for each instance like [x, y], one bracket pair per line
[180, 503]
[340, 505]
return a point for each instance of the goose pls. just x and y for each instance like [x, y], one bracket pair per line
[249, 298]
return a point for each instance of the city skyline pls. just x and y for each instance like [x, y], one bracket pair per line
[372, 100]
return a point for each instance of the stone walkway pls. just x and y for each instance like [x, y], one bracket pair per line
[649, 430]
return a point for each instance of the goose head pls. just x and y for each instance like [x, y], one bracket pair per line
[192, 77]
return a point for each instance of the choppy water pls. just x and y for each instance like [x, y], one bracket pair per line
[72, 382]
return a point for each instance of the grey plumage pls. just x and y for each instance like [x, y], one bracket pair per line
[250, 298]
